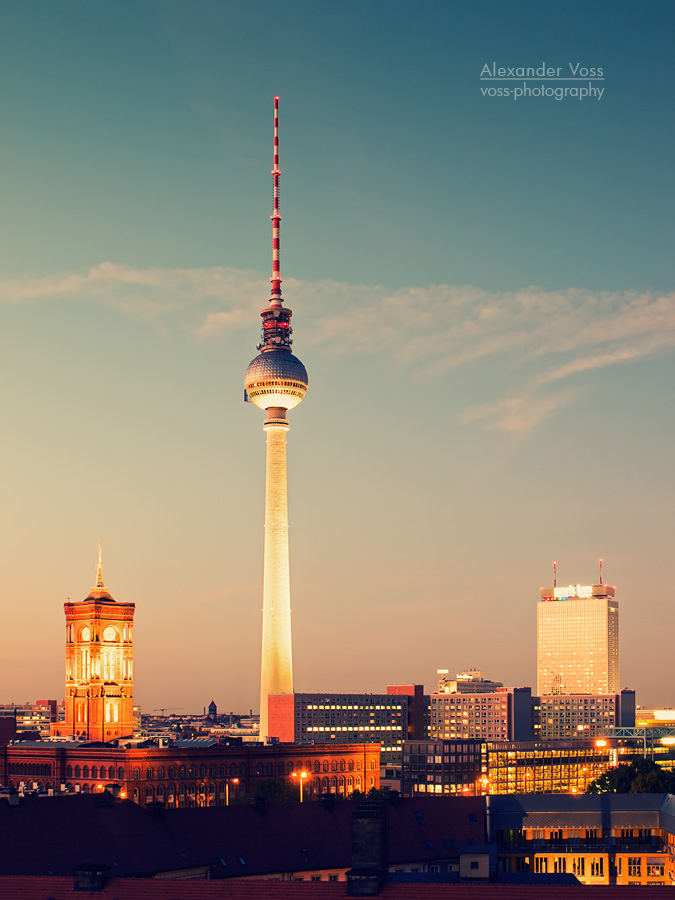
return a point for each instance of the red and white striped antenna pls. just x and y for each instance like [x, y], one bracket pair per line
[276, 298]
[600, 571]
[555, 579]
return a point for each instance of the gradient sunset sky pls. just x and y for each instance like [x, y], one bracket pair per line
[483, 296]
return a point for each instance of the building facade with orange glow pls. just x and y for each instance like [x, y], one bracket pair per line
[503, 767]
[99, 694]
[190, 773]
[602, 839]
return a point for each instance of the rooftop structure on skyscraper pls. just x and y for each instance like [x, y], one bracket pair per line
[275, 381]
[473, 681]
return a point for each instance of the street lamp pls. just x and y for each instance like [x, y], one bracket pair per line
[227, 789]
[481, 785]
[301, 775]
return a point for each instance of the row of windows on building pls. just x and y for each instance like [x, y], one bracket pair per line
[176, 794]
[558, 864]
[395, 708]
[593, 835]
[334, 784]
[211, 771]
[16, 768]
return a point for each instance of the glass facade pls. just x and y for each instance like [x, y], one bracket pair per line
[501, 767]
[578, 641]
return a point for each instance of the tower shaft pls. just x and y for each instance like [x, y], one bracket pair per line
[276, 676]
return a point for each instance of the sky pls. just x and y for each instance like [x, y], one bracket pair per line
[483, 294]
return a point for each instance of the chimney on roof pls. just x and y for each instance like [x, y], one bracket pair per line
[12, 797]
[369, 849]
[89, 877]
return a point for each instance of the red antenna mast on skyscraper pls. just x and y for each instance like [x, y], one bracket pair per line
[600, 571]
[554, 574]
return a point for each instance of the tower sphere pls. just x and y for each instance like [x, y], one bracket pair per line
[276, 378]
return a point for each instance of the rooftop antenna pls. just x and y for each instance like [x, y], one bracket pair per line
[601, 571]
[99, 568]
[276, 299]
[555, 581]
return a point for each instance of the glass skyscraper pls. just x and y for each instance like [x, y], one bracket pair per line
[578, 640]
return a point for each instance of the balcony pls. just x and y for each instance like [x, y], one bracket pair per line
[583, 845]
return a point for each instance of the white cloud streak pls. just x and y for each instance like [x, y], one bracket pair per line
[426, 331]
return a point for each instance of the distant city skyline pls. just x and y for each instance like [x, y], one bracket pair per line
[483, 293]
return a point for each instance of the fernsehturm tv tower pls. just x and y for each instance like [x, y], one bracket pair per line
[275, 381]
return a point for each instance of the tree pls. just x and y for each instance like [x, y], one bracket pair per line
[274, 791]
[642, 776]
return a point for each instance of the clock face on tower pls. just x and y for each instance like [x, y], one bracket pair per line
[109, 634]
[86, 634]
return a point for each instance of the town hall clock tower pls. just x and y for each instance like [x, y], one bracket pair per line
[99, 698]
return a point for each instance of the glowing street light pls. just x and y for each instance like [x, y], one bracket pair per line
[227, 789]
[482, 785]
[301, 775]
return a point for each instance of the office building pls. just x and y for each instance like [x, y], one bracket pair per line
[505, 714]
[275, 381]
[564, 717]
[99, 695]
[388, 719]
[33, 717]
[578, 640]
[503, 767]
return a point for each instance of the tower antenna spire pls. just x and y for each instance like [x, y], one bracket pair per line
[276, 299]
[601, 571]
[555, 583]
[99, 568]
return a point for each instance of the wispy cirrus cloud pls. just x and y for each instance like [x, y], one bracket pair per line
[548, 336]
[520, 414]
